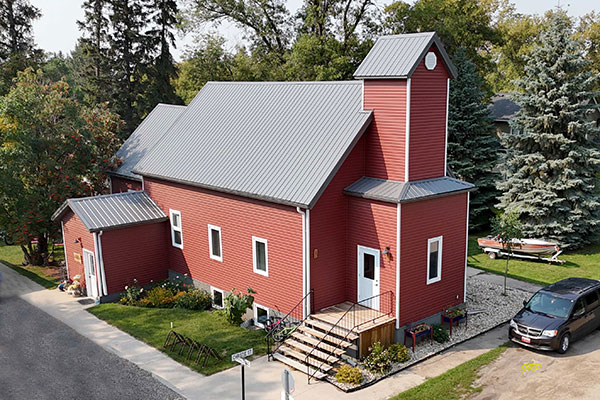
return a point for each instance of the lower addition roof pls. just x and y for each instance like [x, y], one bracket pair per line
[113, 211]
[403, 192]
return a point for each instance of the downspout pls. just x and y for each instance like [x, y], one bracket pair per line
[398, 221]
[97, 263]
[446, 141]
[62, 227]
[305, 261]
[101, 263]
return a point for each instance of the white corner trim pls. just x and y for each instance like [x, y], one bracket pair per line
[467, 246]
[440, 250]
[101, 264]
[62, 228]
[362, 92]
[174, 229]
[305, 260]
[446, 142]
[301, 212]
[398, 230]
[255, 240]
[407, 131]
[210, 243]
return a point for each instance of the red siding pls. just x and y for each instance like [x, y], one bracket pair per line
[328, 227]
[427, 136]
[137, 252]
[121, 185]
[422, 220]
[75, 230]
[386, 138]
[240, 219]
[373, 224]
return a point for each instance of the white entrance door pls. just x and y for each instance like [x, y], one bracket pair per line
[89, 266]
[368, 277]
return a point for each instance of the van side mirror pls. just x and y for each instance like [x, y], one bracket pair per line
[578, 313]
[524, 303]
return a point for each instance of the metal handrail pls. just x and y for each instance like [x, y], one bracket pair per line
[354, 326]
[269, 337]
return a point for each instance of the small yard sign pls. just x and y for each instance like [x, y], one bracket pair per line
[242, 354]
[241, 358]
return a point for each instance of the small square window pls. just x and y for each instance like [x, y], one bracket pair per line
[261, 314]
[214, 242]
[218, 298]
[260, 256]
[434, 260]
[176, 232]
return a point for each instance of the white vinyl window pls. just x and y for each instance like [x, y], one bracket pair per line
[434, 259]
[176, 235]
[261, 314]
[214, 243]
[260, 256]
[218, 297]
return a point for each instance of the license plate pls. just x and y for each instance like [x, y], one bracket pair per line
[525, 340]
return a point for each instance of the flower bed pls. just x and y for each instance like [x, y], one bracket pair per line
[481, 296]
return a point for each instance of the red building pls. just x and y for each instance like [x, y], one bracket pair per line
[326, 195]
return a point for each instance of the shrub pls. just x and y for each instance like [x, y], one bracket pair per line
[177, 284]
[347, 374]
[378, 361]
[158, 297]
[132, 294]
[193, 300]
[236, 305]
[398, 353]
[440, 334]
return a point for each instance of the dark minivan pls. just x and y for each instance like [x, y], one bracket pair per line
[557, 315]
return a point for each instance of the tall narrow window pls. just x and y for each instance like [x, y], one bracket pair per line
[434, 260]
[214, 242]
[260, 255]
[176, 235]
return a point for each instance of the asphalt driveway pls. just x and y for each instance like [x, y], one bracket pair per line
[569, 376]
[42, 358]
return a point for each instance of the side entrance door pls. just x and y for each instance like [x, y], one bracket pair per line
[89, 266]
[368, 277]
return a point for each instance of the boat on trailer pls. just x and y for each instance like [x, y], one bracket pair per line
[535, 249]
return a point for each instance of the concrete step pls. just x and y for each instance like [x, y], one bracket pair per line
[301, 357]
[319, 334]
[322, 345]
[298, 366]
[310, 349]
[326, 327]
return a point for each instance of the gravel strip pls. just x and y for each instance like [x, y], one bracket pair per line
[481, 295]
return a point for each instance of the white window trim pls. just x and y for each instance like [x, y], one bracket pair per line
[254, 266]
[210, 243]
[212, 292]
[173, 228]
[440, 247]
[254, 310]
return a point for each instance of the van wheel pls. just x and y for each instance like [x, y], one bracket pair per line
[564, 344]
[492, 255]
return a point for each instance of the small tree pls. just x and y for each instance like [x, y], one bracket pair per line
[507, 227]
[236, 305]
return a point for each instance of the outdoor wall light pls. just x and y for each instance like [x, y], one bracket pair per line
[387, 253]
[78, 240]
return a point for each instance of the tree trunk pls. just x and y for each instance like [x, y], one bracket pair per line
[36, 255]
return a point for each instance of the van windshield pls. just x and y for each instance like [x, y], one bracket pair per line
[553, 306]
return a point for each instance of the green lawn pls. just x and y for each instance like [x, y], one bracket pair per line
[455, 383]
[151, 325]
[12, 256]
[584, 263]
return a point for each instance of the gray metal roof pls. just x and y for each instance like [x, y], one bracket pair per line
[397, 56]
[403, 192]
[276, 141]
[113, 211]
[503, 108]
[146, 135]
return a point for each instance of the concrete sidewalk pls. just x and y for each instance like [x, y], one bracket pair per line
[262, 378]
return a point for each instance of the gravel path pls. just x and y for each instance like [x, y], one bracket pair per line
[481, 296]
[42, 358]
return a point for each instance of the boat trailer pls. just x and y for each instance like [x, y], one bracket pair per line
[497, 253]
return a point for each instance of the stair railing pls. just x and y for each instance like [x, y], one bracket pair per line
[385, 300]
[284, 327]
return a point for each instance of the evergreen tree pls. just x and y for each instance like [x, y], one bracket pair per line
[92, 53]
[130, 56]
[472, 144]
[17, 47]
[552, 159]
[163, 14]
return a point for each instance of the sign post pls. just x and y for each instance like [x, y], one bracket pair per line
[241, 359]
[288, 384]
